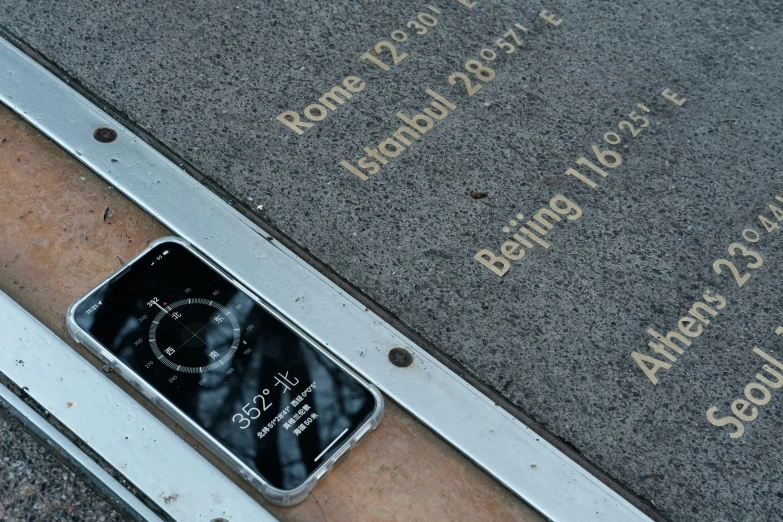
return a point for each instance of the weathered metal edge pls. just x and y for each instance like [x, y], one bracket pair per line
[486, 433]
[182, 483]
[119, 496]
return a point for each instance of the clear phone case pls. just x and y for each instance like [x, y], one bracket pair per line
[274, 495]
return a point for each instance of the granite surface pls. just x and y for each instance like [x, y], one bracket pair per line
[35, 485]
[556, 333]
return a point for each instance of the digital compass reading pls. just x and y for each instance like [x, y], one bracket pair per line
[193, 335]
[241, 380]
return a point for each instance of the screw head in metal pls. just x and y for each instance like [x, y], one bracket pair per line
[105, 134]
[400, 357]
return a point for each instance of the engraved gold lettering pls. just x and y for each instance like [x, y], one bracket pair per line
[315, 112]
[550, 17]
[441, 114]
[523, 241]
[329, 101]
[720, 300]
[740, 409]
[353, 170]
[766, 395]
[499, 265]
[578, 175]
[672, 96]
[467, 3]
[414, 122]
[770, 370]
[370, 166]
[650, 365]
[767, 357]
[699, 305]
[540, 217]
[393, 146]
[538, 229]
[571, 212]
[512, 251]
[335, 96]
[685, 324]
[534, 237]
[725, 421]
[294, 122]
[769, 226]
[390, 148]
[756, 394]
[398, 134]
[668, 340]
[374, 154]
[354, 84]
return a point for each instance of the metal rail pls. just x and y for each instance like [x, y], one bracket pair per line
[149, 455]
[72, 454]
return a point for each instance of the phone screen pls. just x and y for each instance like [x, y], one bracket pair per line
[267, 395]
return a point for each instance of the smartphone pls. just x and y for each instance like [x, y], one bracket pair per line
[242, 378]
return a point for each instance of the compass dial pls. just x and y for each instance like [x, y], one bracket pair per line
[194, 335]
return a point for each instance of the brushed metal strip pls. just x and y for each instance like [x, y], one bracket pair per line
[71, 453]
[153, 458]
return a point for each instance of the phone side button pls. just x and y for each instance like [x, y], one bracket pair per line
[340, 457]
[321, 474]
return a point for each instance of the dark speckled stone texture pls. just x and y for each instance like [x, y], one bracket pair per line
[35, 486]
[555, 334]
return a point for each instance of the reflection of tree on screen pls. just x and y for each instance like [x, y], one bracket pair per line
[281, 457]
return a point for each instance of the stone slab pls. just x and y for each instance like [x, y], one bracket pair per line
[556, 333]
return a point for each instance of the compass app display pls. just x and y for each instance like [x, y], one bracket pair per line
[267, 395]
